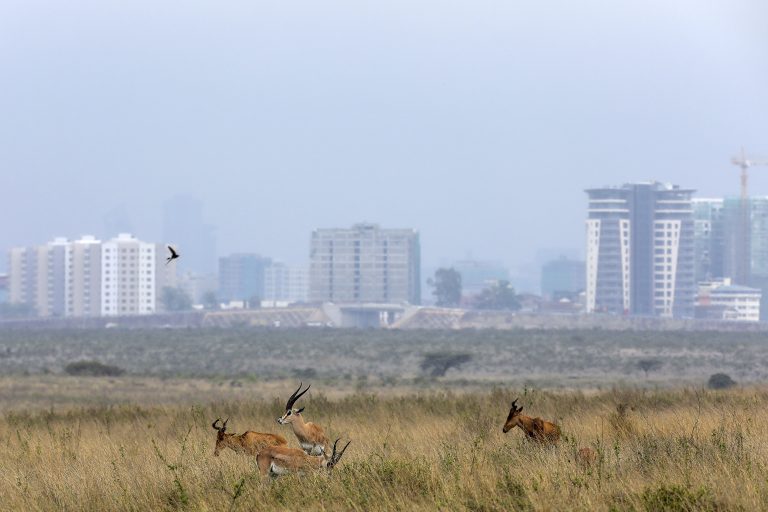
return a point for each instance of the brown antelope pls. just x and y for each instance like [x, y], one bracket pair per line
[311, 437]
[536, 429]
[250, 443]
[280, 460]
[585, 457]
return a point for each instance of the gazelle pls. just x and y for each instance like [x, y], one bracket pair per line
[250, 443]
[311, 437]
[535, 428]
[280, 460]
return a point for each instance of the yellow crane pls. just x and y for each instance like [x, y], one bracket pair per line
[743, 245]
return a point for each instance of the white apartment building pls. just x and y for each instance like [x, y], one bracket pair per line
[87, 277]
[83, 277]
[37, 277]
[128, 285]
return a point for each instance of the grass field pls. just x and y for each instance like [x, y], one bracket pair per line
[674, 449]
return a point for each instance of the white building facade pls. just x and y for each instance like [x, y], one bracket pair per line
[640, 253]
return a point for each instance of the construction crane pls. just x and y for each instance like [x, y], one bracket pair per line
[743, 162]
[743, 260]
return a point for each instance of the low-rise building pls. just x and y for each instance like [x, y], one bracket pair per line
[722, 300]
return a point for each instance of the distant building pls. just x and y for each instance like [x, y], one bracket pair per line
[129, 276]
[365, 263]
[83, 283]
[241, 277]
[37, 277]
[286, 283]
[87, 277]
[722, 300]
[719, 244]
[185, 229]
[640, 254]
[4, 284]
[478, 275]
[709, 238]
[563, 278]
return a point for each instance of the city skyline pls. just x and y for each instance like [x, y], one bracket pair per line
[459, 118]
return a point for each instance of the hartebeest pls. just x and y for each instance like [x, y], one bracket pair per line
[311, 437]
[535, 428]
[250, 443]
[279, 460]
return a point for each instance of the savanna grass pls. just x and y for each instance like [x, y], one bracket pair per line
[670, 450]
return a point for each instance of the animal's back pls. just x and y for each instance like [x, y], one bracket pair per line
[257, 441]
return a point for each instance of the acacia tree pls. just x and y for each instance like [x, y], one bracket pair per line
[649, 365]
[499, 296]
[446, 287]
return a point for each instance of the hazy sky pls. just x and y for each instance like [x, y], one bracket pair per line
[477, 122]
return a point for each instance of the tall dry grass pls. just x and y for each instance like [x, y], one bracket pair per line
[665, 450]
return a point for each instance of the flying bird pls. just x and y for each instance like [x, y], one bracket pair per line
[173, 255]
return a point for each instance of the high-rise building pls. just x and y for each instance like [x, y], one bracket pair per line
[83, 284]
[37, 277]
[128, 282]
[86, 277]
[365, 264]
[640, 257]
[708, 238]
[241, 277]
[184, 227]
[286, 283]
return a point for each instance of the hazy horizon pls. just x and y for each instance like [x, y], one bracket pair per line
[479, 124]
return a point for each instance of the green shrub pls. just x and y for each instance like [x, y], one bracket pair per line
[720, 381]
[93, 369]
[676, 498]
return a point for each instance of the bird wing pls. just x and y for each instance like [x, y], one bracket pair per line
[173, 253]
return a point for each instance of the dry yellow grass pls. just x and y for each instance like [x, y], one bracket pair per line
[669, 450]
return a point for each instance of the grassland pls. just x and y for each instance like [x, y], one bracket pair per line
[683, 449]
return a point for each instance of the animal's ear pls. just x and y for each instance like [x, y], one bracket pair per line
[520, 409]
[299, 411]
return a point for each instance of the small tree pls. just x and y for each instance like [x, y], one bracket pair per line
[720, 381]
[649, 365]
[210, 301]
[446, 287]
[499, 296]
[175, 299]
[436, 364]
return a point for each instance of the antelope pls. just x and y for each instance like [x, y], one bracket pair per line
[280, 460]
[536, 429]
[311, 437]
[250, 443]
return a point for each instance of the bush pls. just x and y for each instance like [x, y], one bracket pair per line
[675, 498]
[93, 369]
[720, 381]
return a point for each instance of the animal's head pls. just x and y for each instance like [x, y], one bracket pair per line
[290, 412]
[222, 438]
[336, 456]
[514, 417]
